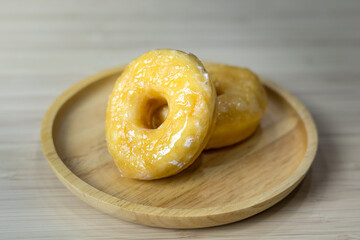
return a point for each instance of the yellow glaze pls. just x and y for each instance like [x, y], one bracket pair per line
[141, 146]
[241, 101]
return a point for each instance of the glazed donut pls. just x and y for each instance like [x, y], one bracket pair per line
[241, 101]
[146, 149]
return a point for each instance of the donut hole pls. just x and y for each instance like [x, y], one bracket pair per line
[159, 116]
[219, 90]
[155, 112]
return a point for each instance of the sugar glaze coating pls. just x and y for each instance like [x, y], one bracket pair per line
[140, 148]
[241, 100]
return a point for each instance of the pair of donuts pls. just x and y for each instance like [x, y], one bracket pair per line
[166, 108]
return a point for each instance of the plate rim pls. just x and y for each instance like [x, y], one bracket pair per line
[87, 191]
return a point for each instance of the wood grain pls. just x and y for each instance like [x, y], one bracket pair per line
[222, 186]
[311, 48]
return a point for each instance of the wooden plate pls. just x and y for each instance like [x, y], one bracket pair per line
[222, 186]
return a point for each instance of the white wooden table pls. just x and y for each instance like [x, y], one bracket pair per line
[312, 48]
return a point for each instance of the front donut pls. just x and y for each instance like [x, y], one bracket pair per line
[140, 147]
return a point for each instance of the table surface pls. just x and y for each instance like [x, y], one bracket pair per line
[312, 48]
